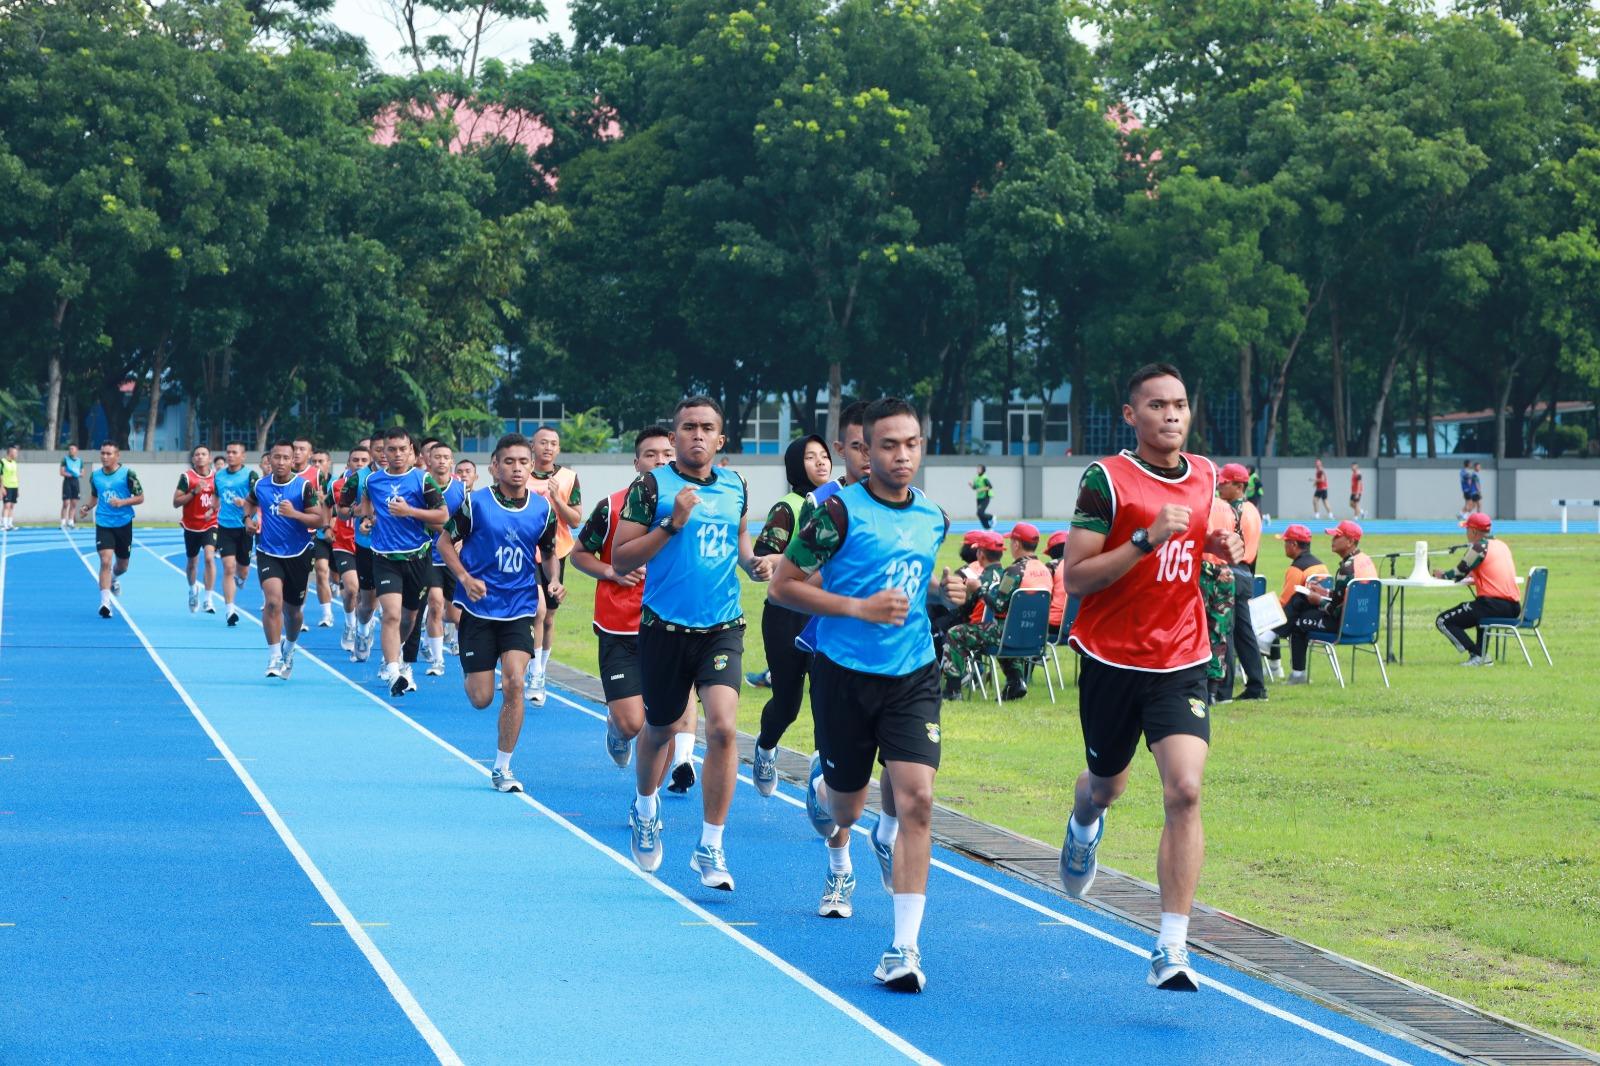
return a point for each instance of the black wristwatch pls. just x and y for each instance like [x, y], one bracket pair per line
[1141, 540]
[668, 528]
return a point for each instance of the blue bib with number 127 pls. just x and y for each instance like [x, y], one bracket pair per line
[694, 579]
[884, 547]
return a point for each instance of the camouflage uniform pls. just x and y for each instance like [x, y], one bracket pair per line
[965, 641]
[1216, 588]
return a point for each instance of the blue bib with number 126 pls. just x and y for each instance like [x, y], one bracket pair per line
[884, 547]
[694, 579]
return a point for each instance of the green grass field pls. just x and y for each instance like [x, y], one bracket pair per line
[1446, 830]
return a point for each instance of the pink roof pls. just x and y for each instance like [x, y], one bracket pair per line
[480, 125]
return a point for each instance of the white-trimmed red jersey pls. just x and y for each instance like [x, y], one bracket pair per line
[616, 607]
[200, 513]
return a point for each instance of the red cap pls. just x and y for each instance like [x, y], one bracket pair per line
[1026, 532]
[971, 537]
[1346, 528]
[1233, 472]
[1477, 520]
[1296, 532]
[1058, 537]
[990, 541]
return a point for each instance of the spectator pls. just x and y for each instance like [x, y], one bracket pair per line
[964, 641]
[1056, 552]
[1489, 566]
[1244, 653]
[1303, 569]
[1325, 610]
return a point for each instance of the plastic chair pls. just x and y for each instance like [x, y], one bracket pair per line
[1358, 629]
[1024, 636]
[1069, 614]
[1532, 613]
[1260, 586]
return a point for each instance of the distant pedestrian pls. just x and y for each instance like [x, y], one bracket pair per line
[1355, 491]
[1319, 492]
[11, 483]
[985, 490]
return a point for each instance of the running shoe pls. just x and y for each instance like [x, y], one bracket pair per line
[275, 666]
[620, 750]
[363, 646]
[504, 781]
[536, 691]
[821, 820]
[326, 622]
[105, 611]
[435, 667]
[1170, 970]
[452, 645]
[238, 581]
[901, 969]
[388, 672]
[712, 866]
[759, 679]
[764, 771]
[288, 664]
[836, 896]
[1297, 677]
[1078, 863]
[404, 682]
[116, 587]
[644, 840]
[885, 854]
[682, 779]
[304, 628]
[347, 640]
[194, 600]
[233, 616]
[211, 608]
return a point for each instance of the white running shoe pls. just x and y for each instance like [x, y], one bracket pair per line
[194, 600]
[347, 639]
[644, 840]
[901, 969]
[116, 587]
[326, 622]
[764, 771]
[712, 866]
[535, 686]
[275, 666]
[504, 781]
[403, 682]
[288, 664]
[1078, 863]
[1170, 970]
[435, 667]
[620, 750]
[836, 896]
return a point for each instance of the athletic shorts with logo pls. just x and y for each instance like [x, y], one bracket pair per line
[440, 577]
[364, 576]
[408, 577]
[322, 549]
[1116, 705]
[484, 640]
[862, 718]
[196, 542]
[619, 665]
[344, 562]
[116, 539]
[674, 662]
[235, 542]
[294, 571]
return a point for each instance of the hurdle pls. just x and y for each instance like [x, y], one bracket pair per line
[1564, 504]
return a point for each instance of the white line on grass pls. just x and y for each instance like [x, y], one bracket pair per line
[788, 969]
[397, 988]
[1099, 934]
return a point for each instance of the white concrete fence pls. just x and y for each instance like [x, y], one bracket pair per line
[1032, 486]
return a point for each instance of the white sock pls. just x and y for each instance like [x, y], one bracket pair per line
[288, 643]
[839, 859]
[710, 835]
[887, 830]
[105, 597]
[645, 805]
[1174, 930]
[436, 648]
[682, 747]
[544, 659]
[276, 648]
[198, 588]
[908, 918]
[502, 760]
[449, 631]
[327, 610]
[1083, 833]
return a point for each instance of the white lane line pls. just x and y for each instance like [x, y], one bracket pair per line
[1057, 918]
[5, 544]
[788, 969]
[397, 988]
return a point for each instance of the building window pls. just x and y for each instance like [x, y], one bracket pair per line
[761, 429]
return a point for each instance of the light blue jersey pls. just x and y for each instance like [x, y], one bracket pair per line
[694, 578]
[233, 488]
[74, 467]
[884, 546]
[280, 536]
[498, 548]
[120, 484]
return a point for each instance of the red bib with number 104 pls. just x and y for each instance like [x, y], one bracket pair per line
[1153, 617]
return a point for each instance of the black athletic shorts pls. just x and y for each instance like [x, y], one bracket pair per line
[440, 577]
[364, 576]
[619, 665]
[1320, 494]
[673, 663]
[11, 496]
[294, 572]
[195, 543]
[408, 577]
[549, 601]
[1116, 705]
[860, 717]
[343, 562]
[484, 640]
[116, 539]
[235, 542]
[69, 488]
[322, 549]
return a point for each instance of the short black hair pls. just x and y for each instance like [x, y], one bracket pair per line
[281, 442]
[1057, 550]
[110, 444]
[1148, 371]
[303, 437]
[701, 400]
[510, 440]
[399, 433]
[548, 429]
[887, 407]
[359, 447]
[853, 415]
[968, 554]
[428, 443]
[647, 433]
[435, 444]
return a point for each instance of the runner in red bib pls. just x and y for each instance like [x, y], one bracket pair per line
[196, 496]
[1133, 555]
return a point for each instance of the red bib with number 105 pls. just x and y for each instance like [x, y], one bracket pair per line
[1153, 617]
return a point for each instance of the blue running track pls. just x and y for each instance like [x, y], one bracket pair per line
[202, 863]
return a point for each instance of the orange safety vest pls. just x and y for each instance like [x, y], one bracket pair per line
[559, 486]
[1058, 594]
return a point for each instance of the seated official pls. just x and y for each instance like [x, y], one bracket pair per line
[1326, 610]
[1055, 552]
[1303, 567]
[969, 638]
[1488, 565]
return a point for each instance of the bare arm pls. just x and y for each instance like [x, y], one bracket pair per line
[760, 568]
[792, 588]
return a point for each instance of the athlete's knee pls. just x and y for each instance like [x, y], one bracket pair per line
[913, 801]
[1102, 792]
[480, 696]
[1180, 794]
[719, 731]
